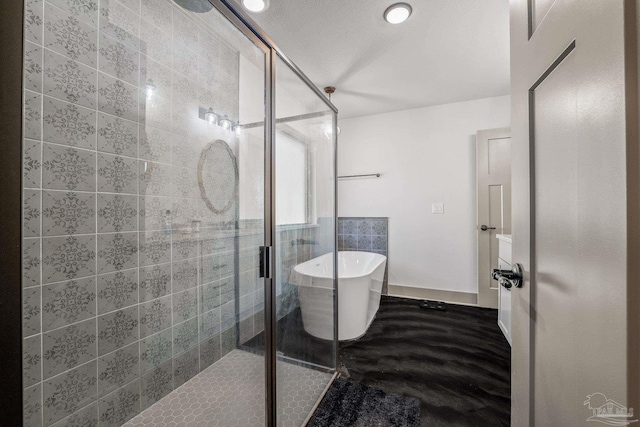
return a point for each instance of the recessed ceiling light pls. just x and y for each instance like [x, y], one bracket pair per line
[397, 13]
[255, 5]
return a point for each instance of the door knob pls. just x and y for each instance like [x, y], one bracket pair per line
[485, 228]
[511, 276]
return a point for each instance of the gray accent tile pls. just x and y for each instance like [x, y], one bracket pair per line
[155, 350]
[155, 281]
[379, 243]
[69, 36]
[379, 227]
[364, 243]
[31, 361]
[155, 248]
[34, 19]
[32, 115]
[185, 336]
[156, 384]
[68, 392]
[351, 242]
[31, 213]
[69, 80]
[155, 316]
[68, 302]
[117, 174]
[32, 67]
[66, 348]
[117, 251]
[87, 416]
[364, 227]
[117, 97]
[30, 262]
[69, 124]
[185, 305]
[120, 406]
[66, 168]
[117, 329]
[119, 22]
[350, 226]
[118, 59]
[32, 406]
[185, 275]
[117, 136]
[67, 212]
[68, 258]
[84, 10]
[117, 290]
[117, 213]
[31, 163]
[186, 366]
[31, 310]
[118, 368]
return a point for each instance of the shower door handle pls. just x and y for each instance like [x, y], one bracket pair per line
[265, 262]
[507, 278]
[485, 228]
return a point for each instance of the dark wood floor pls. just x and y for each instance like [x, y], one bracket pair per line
[457, 362]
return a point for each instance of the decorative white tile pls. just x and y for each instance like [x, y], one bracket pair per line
[68, 392]
[117, 213]
[118, 59]
[118, 368]
[31, 361]
[67, 35]
[69, 80]
[66, 168]
[31, 163]
[31, 213]
[84, 10]
[69, 302]
[117, 329]
[117, 136]
[31, 262]
[69, 124]
[117, 97]
[117, 174]
[117, 290]
[32, 115]
[68, 212]
[117, 251]
[33, 67]
[68, 257]
[66, 348]
[120, 22]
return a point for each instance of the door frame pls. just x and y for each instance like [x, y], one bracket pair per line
[486, 297]
[11, 49]
[526, 40]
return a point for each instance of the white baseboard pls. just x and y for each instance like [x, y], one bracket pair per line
[454, 297]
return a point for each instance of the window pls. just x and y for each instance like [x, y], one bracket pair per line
[291, 181]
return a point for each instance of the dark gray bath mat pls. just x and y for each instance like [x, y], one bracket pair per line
[350, 404]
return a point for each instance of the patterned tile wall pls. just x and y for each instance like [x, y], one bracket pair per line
[367, 234]
[123, 300]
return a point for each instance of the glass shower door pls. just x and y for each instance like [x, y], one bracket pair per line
[305, 243]
[144, 190]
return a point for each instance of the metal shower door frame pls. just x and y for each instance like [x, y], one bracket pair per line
[234, 13]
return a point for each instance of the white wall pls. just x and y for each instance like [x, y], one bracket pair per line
[425, 155]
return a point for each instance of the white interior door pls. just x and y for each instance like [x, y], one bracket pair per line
[493, 168]
[575, 210]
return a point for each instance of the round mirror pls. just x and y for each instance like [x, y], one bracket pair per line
[218, 176]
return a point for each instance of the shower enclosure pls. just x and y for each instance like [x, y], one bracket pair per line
[176, 166]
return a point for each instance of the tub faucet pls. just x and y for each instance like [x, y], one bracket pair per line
[303, 242]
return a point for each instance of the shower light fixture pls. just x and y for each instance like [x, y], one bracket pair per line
[255, 5]
[225, 123]
[150, 90]
[397, 13]
[211, 117]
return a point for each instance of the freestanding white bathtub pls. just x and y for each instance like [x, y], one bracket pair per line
[360, 277]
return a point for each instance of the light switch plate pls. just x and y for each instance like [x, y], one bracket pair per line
[437, 208]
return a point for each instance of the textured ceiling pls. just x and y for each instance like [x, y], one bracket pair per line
[448, 50]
